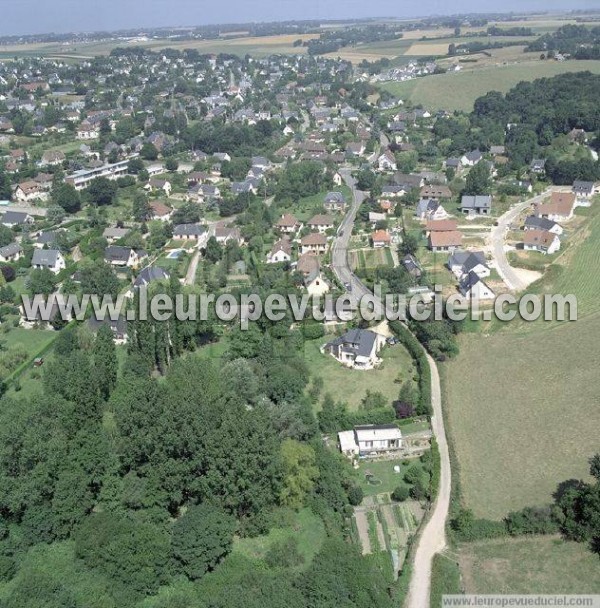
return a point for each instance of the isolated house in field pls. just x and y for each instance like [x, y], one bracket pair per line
[357, 348]
[445, 241]
[473, 287]
[533, 222]
[315, 242]
[480, 204]
[124, 257]
[11, 252]
[461, 263]
[560, 208]
[370, 440]
[541, 240]
[287, 224]
[281, 252]
[430, 209]
[51, 259]
[320, 223]
[334, 201]
[381, 238]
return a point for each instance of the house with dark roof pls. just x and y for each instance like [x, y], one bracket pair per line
[584, 190]
[11, 252]
[461, 263]
[474, 287]
[149, 275]
[430, 209]
[480, 204]
[412, 266]
[51, 259]
[357, 348]
[334, 201]
[16, 218]
[533, 222]
[191, 232]
[118, 327]
[116, 255]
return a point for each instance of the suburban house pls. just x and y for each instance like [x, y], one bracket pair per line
[281, 252]
[584, 190]
[430, 209]
[357, 348]
[560, 207]
[538, 166]
[445, 241]
[225, 234]
[307, 264]
[461, 263]
[52, 157]
[316, 284]
[533, 222]
[288, 224]
[160, 211]
[11, 252]
[115, 234]
[334, 201]
[46, 238]
[117, 327]
[380, 238]
[480, 204]
[149, 275]
[436, 192]
[155, 185]
[315, 242]
[320, 223]
[473, 287]
[387, 161]
[370, 440]
[116, 255]
[412, 266]
[191, 232]
[542, 241]
[29, 191]
[51, 259]
[470, 159]
[440, 226]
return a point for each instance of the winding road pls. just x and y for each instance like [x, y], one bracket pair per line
[432, 539]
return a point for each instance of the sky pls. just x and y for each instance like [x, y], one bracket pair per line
[60, 16]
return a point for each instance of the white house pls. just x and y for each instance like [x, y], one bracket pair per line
[123, 256]
[387, 162]
[357, 348]
[11, 252]
[370, 440]
[320, 223]
[316, 284]
[474, 288]
[542, 241]
[461, 263]
[541, 223]
[281, 252]
[51, 259]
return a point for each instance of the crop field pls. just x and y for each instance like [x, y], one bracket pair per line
[459, 90]
[539, 564]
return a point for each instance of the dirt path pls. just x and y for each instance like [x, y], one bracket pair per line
[362, 525]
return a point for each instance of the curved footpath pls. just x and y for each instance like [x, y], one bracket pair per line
[432, 539]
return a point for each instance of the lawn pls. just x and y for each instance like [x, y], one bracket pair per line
[459, 90]
[538, 564]
[382, 471]
[32, 340]
[350, 386]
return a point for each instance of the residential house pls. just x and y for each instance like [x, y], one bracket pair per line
[320, 223]
[370, 440]
[46, 238]
[315, 242]
[191, 232]
[52, 157]
[316, 284]
[225, 234]
[380, 239]
[16, 218]
[357, 348]
[542, 241]
[538, 166]
[408, 181]
[480, 204]
[447, 225]
[334, 201]
[412, 266]
[118, 327]
[430, 209]
[474, 287]
[116, 255]
[287, 224]
[11, 252]
[445, 241]
[51, 259]
[541, 223]
[436, 192]
[155, 185]
[280, 252]
[29, 191]
[584, 190]
[308, 264]
[355, 148]
[560, 208]
[470, 159]
[160, 211]
[113, 234]
[387, 161]
[149, 275]
[462, 263]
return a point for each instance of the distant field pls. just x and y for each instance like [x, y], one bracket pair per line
[458, 91]
[537, 564]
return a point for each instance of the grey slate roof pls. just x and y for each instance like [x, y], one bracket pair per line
[149, 274]
[45, 257]
[10, 249]
[357, 341]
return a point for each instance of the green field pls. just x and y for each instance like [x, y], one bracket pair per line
[538, 564]
[459, 90]
[349, 385]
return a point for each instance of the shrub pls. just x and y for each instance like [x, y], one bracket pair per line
[400, 494]
[355, 495]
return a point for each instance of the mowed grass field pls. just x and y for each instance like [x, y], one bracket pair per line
[459, 90]
[349, 385]
[539, 564]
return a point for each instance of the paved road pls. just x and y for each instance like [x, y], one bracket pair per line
[497, 240]
[433, 537]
